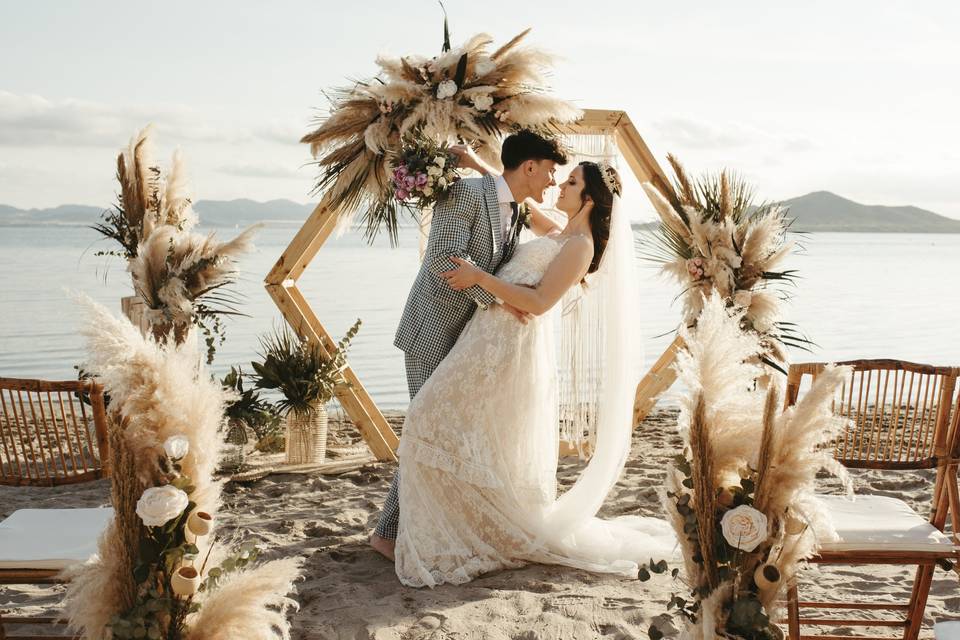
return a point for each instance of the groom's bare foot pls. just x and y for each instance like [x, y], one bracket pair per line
[383, 546]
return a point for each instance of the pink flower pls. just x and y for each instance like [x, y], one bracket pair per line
[421, 179]
[409, 182]
[401, 194]
[401, 171]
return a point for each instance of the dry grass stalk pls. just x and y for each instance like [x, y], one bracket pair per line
[704, 490]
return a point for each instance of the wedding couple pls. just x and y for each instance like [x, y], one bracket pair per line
[476, 490]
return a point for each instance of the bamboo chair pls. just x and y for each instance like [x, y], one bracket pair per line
[49, 436]
[898, 417]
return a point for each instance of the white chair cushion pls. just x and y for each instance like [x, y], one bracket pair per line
[50, 538]
[947, 630]
[880, 523]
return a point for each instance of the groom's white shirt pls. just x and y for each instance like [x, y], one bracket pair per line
[504, 198]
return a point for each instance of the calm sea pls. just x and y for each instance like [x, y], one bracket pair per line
[860, 296]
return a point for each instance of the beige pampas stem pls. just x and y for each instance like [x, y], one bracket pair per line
[250, 604]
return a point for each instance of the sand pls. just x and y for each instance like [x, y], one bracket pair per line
[351, 592]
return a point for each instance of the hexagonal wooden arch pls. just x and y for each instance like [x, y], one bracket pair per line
[281, 284]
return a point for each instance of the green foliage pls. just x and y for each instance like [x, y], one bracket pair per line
[115, 225]
[248, 410]
[300, 370]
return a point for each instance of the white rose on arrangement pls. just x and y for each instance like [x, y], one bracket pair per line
[427, 191]
[159, 505]
[744, 528]
[440, 161]
[446, 89]
[434, 171]
[441, 182]
[176, 447]
[483, 102]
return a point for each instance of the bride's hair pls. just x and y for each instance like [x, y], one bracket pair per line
[597, 186]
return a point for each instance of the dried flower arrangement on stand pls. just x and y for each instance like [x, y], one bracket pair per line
[740, 496]
[711, 237]
[180, 275]
[161, 571]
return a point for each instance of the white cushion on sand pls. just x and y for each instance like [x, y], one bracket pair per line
[50, 538]
[880, 523]
[947, 630]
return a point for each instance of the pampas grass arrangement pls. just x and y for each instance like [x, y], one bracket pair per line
[711, 237]
[745, 479]
[180, 275]
[465, 93]
[153, 576]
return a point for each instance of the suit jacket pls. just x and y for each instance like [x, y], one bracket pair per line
[466, 224]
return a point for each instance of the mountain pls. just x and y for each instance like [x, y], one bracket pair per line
[817, 211]
[213, 213]
[825, 211]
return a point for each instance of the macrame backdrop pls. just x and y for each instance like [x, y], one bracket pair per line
[581, 335]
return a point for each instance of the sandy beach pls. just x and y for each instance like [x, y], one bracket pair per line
[351, 592]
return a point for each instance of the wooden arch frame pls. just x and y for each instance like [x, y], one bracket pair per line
[281, 284]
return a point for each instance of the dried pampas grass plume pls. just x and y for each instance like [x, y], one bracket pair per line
[249, 604]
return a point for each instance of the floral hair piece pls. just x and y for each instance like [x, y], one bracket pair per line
[609, 175]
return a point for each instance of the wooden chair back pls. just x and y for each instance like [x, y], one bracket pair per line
[52, 433]
[897, 414]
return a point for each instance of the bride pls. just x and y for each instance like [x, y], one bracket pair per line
[480, 444]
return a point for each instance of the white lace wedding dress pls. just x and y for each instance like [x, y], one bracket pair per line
[478, 458]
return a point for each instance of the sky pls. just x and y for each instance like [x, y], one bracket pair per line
[861, 98]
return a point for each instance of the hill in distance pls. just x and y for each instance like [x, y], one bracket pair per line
[817, 211]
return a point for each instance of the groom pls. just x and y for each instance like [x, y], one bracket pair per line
[477, 221]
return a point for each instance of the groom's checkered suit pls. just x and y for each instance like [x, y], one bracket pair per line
[465, 224]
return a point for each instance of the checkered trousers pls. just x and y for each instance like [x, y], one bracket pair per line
[417, 374]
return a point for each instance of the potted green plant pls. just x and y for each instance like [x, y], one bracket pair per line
[249, 412]
[306, 377]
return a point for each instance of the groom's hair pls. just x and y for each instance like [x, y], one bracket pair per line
[526, 145]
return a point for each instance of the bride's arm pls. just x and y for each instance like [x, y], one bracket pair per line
[540, 223]
[566, 270]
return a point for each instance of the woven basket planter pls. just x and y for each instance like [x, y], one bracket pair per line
[307, 436]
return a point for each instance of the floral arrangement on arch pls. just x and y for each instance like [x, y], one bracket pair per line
[423, 171]
[466, 92]
[711, 237]
[741, 495]
[180, 275]
[161, 571]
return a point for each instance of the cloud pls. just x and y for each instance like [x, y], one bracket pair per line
[262, 170]
[31, 120]
[692, 133]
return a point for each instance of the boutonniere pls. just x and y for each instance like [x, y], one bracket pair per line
[524, 215]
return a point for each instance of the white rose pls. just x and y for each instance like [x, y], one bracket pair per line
[483, 102]
[440, 161]
[446, 89]
[427, 191]
[159, 505]
[744, 528]
[176, 447]
[434, 171]
[441, 182]
[484, 66]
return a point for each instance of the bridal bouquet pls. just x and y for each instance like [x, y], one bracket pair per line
[423, 171]
[711, 237]
[740, 497]
[465, 92]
